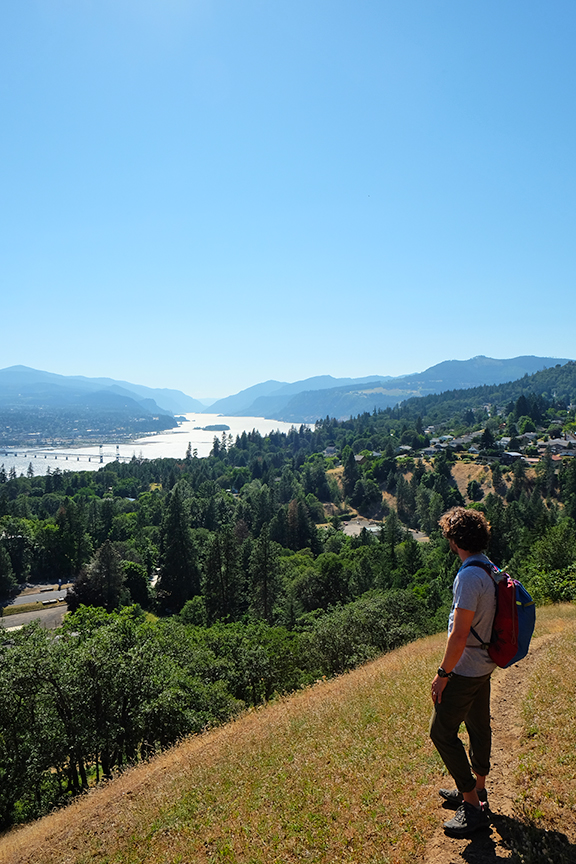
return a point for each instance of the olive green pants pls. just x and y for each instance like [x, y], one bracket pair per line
[464, 700]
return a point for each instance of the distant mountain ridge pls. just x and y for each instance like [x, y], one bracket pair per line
[556, 383]
[21, 386]
[73, 408]
[309, 400]
[305, 401]
[271, 396]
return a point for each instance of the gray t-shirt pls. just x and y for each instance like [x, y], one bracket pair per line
[474, 590]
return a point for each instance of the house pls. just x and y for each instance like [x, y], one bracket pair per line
[559, 446]
[510, 456]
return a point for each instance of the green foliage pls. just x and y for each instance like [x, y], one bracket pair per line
[17, 540]
[350, 635]
[7, 578]
[101, 583]
[180, 576]
[264, 576]
[114, 688]
[550, 569]
[262, 599]
[474, 491]
[553, 586]
[136, 582]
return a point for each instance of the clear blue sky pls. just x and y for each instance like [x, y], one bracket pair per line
[204, 194]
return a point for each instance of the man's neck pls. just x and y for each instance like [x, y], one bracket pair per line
[463, 554]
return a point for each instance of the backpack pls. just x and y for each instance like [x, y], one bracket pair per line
[514, 619]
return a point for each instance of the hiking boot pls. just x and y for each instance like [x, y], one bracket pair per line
[466, 820]
[454, 798]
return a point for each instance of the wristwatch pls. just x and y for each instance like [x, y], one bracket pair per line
[443, 674]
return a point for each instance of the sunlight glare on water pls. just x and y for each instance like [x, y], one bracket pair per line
[171, 444]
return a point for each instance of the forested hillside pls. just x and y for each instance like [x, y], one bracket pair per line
[305, 401]
[556, 385]
[38, 406]
[245, 583]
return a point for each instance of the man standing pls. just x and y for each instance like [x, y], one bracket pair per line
[461, 688]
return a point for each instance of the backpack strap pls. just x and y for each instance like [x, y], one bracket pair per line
[484, 645]
[489, 567]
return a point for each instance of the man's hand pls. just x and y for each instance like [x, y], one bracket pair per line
[438, 685]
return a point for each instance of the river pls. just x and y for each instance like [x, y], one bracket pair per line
[171, 444]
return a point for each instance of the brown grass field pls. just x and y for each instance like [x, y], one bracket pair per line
[339, 772]
[463, 472]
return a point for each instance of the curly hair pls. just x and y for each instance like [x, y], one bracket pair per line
[469, 529]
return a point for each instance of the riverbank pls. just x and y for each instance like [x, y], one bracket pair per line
[172, 444]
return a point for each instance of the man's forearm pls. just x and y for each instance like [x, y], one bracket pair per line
[454, 650]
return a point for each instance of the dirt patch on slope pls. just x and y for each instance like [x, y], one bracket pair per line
[511, 838]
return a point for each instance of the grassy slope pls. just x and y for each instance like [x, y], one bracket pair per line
[547, 768]
[341, 772]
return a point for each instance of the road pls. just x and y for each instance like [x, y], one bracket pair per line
[38, 598]
[49, 618]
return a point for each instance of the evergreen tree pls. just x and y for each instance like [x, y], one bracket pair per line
[474, 490]
[351, 472]
[568, 487]
[17, 538]
[522, 407]
[546, 472]
[519, 481]
[405, 500]
[7, 580]
[137, 583]
[74, 544]
[487, 440]
[179, 573]
[496, 476]
[264, 576]
[223, 577]
[101, 583]
[390, 535]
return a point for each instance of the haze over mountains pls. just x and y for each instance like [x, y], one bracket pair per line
[22, 388]
[308, 400]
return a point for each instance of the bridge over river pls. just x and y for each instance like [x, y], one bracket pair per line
[66, 455]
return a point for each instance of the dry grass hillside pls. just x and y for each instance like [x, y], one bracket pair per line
[340, 772]
[463, 472]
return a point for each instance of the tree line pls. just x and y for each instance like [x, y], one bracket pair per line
[115, 688]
